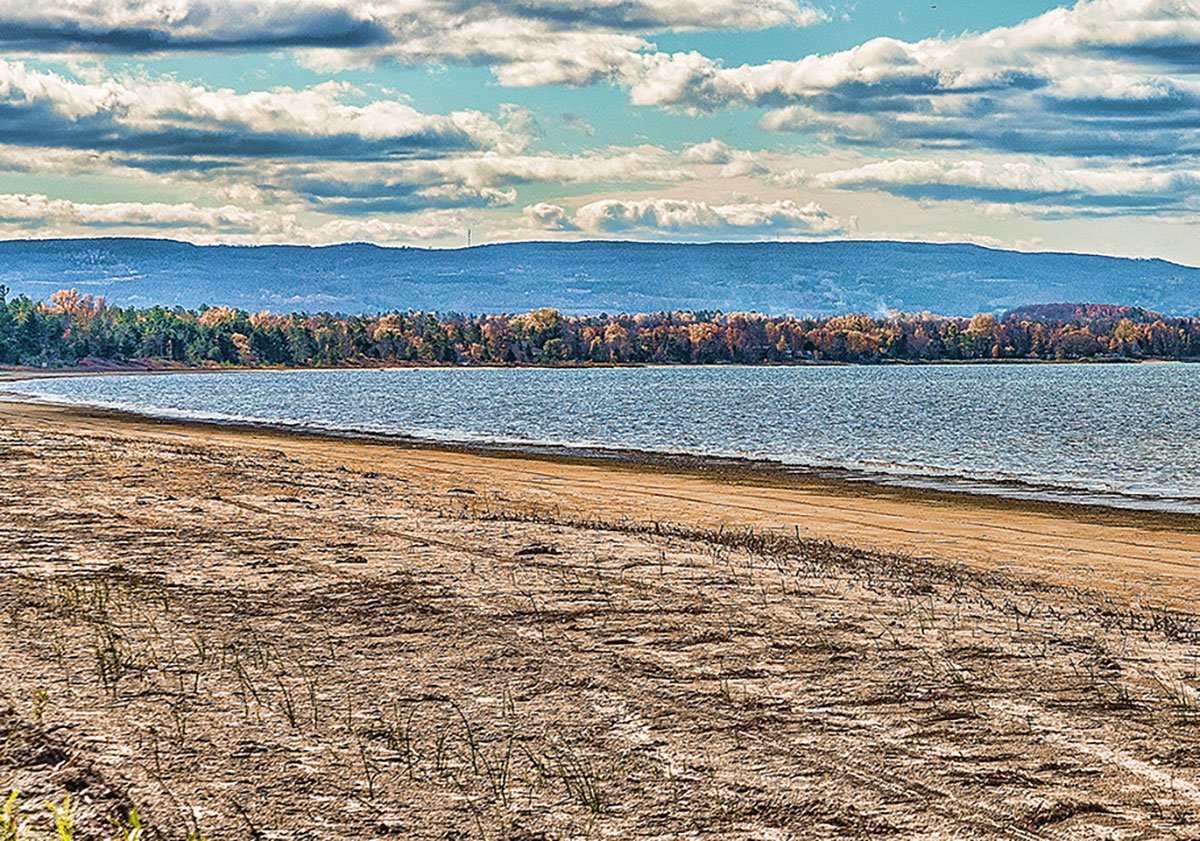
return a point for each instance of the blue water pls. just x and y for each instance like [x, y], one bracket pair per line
[1117, 434]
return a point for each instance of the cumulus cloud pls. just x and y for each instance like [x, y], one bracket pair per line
[1045, 50]
[117, 26]
[469, 180]
[172, 118]
[208, 24]
[39, 210]
[528, 41]
[1090, 109]
[653, 15]
[24, 215]
[546, 216]
[710, 152]
[661, 215]
[1058, 188]
[422, 228]
[733, 163]
[1103, 77]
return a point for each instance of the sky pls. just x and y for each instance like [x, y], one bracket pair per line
[1019, 124]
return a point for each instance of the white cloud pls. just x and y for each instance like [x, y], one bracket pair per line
[643, 163]
[1012, 175]
[165, 116]
[710, 152]
[423, 229]
[546, 216]
[1087, 110]
[121, 26]
[1051, 47]
[34, 215]
[197, 24]
[733, 163]
[688, 216]
[479, 180]
[39, 210]
[1103, 77]
[1059, 187]
[527, 41]
[669, 14]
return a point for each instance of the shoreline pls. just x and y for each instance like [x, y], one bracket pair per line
[745, 478]
[21, 373]
[1005, 493]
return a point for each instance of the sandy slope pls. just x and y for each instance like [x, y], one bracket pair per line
[284, 636]
[1133, 554]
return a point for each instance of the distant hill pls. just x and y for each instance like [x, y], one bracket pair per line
[591, 277]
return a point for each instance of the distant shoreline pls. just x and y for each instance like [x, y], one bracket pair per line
[19, 373]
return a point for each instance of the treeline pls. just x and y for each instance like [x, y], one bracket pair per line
[70, 329]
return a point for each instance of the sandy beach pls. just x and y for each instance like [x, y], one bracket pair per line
[251, 633]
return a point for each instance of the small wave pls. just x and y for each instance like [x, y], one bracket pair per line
[622, 431]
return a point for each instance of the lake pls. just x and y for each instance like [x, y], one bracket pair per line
[1123, 435]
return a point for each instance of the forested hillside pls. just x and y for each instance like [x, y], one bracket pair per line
[802, 278]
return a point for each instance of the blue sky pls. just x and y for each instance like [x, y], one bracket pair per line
[1029, 125]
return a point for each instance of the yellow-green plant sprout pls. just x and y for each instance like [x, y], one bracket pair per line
[64, 819]
[41, 697]
[130, 829]
[12, 828]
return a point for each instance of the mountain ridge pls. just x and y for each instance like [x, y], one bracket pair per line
[608, 242]
[802, 278]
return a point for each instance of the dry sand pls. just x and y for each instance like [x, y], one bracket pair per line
[255, 634]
